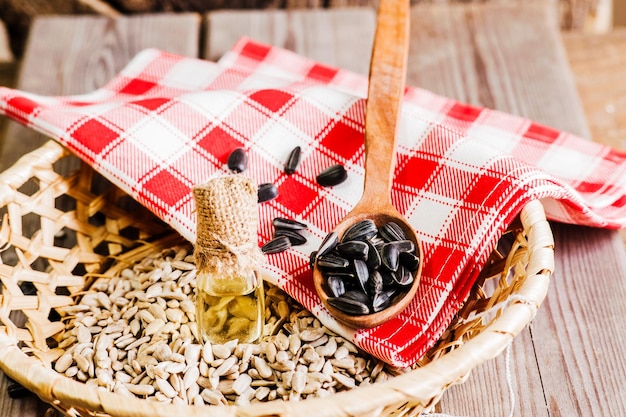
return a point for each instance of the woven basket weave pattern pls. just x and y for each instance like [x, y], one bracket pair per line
[82, 227]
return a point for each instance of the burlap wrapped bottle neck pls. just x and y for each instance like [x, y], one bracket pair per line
[227, 219]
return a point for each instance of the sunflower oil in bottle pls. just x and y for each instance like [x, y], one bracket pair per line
[230, 300]
[231, 307]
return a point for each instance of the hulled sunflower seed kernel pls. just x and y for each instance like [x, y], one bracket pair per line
[141, 390]
[63, 363]
[299, 359]
[242, 383]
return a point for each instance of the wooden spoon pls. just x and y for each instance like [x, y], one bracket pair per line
[386, 89]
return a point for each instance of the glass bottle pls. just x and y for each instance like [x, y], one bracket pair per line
[230, 300]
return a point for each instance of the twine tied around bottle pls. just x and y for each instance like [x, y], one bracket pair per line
[227, 219]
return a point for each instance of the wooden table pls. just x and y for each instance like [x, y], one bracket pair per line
[569, 362]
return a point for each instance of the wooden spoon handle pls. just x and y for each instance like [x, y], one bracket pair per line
[385, 92]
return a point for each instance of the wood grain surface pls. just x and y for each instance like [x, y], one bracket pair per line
[86, 53]
[570, 360]
[619, 13]
[5, 49]
[486, 55]
[599, 62]
[317, 34]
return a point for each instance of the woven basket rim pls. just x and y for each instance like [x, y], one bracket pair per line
[423, 385]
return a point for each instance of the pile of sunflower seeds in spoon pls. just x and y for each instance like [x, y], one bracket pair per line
[135, 334]
[368, 268]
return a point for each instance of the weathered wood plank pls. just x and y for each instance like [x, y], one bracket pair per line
[29, 406]
[486, 390]
[619, 13]
[5, 50]
[578, 15]
[318, 34]
[598, 62]
[85, 54]
[488, 55]
[8, 73]
[580, 342]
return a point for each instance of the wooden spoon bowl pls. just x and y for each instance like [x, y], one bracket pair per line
[385, 92]
[400, 303]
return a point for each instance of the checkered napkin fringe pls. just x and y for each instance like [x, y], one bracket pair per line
[168, 122]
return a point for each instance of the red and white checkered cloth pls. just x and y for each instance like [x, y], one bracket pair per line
[168, 122]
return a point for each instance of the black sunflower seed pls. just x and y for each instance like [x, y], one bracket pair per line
[375, 283]
[390, 256]
[373, 256]
[354, 249]
[332, 261]
[403, 276]
[403, 245]
[267, 192]
[336, 285]
[409, 261]
[295, 238]
[349, 306]
[238, 160]
[378, 243]
[312, 258]
[293, 161]
[361, 230]
[284, 223]
[357, 295]
[346, 275]
[383, 300]
[276, 245]
[389, 278]
[333, 175]
[17, 391]
[348, 278]
[328, 244]
[391, 232]
[362, 273]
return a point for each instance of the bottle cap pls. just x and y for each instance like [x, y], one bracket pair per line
[227, 219]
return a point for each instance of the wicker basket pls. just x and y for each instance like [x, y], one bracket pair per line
[80, 227]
